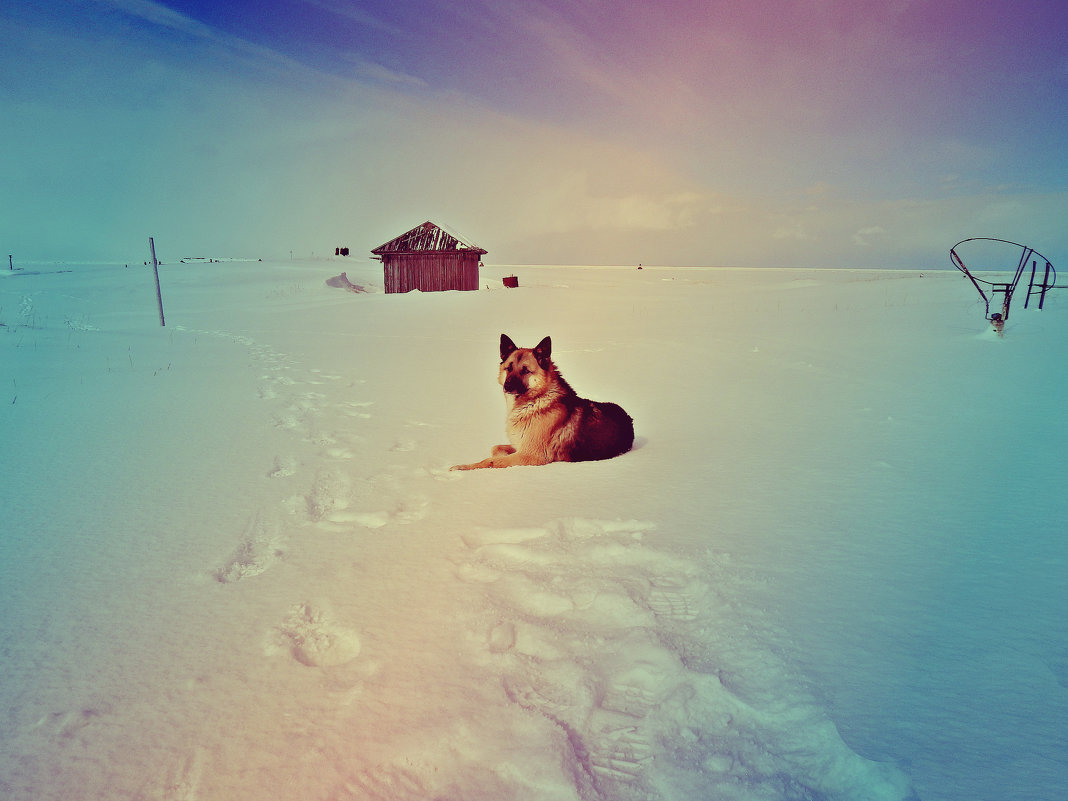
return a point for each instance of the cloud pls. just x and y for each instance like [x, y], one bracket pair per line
[351, 12]
[673, 212]
[221, 44]
[862, 236]
[565, 200]
[163, 16]
[379, 74]
[794, 229]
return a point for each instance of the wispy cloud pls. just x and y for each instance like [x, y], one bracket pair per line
[354, 13]
[163, 16]
[380, 74]
[864, 236]
[157, 14]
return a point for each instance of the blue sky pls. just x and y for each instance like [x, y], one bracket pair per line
[794, 133]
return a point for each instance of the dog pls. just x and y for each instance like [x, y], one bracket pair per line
[546, 420]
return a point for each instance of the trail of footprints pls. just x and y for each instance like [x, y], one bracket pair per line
[627, 650]
[583, 606]
[327, 495]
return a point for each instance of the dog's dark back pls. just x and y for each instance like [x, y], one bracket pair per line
[603, 431]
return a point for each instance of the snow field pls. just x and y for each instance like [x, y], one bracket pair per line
[240, 567]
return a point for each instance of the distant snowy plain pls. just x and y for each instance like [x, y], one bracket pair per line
[235, 565]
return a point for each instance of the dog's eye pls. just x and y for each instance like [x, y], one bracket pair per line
[525, 370]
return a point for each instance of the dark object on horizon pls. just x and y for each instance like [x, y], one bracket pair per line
[1004, 288]
[430, 259]
[341, 251]
[511, 281]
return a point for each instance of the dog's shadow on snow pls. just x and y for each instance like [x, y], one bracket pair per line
[639, 443]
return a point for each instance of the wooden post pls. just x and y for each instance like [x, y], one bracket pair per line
[10, 266]
[1034, 266]
[1045, 285]
[155, 269]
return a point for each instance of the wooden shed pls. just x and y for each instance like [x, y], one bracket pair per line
[430, 259]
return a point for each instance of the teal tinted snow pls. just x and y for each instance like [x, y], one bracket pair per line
[234, 565]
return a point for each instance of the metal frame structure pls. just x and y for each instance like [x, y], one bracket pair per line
[1006, 289]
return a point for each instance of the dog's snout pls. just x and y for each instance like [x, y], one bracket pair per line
[514, 385]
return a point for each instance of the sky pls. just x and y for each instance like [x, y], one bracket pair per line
[799, 133]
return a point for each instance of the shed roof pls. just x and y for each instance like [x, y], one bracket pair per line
[427, 237]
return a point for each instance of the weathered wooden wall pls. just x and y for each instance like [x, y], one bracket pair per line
[430, 272]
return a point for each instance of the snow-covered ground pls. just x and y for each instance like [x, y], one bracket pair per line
[234, 564]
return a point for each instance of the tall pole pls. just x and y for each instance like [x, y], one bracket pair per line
[155, 269]
[10, 266]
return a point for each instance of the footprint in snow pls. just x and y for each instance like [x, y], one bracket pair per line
[676, 598]
[443, 473]
[383, 783]
[284, 466]
[181, 780]
[339, 453]
[331, 493]
[375, 519]
[70, 724]
[402, 513]
[314, 638]
[357, 409]
[261, 547]
[288, 420]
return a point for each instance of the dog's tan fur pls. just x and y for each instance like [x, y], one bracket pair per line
[546, 420]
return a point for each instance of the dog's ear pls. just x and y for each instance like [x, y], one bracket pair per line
[507, 347]
[543, 352]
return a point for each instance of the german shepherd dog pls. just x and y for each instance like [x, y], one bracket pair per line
[546, 420]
